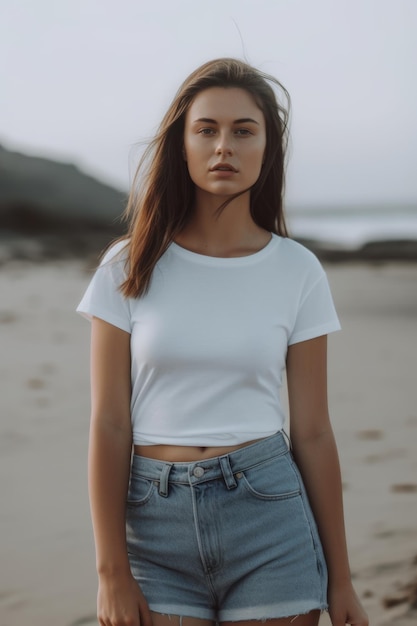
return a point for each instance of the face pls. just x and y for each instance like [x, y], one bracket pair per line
[224, 141]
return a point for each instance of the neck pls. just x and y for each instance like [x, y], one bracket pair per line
[230, 232]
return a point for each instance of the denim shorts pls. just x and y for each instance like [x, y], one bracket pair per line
[229, 538]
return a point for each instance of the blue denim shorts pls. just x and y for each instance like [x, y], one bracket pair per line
[225, 539]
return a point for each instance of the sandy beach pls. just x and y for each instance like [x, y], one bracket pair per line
[47, 572]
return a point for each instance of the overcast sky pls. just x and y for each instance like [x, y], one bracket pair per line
[85, 80]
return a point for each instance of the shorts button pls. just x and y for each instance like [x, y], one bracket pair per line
[198, 471]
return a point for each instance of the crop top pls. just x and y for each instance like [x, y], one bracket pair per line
[209, 339]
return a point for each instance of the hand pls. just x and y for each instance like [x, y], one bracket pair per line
[120, 602]
[345, 607]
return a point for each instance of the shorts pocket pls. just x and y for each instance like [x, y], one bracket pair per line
[140, 491]
[273, 479]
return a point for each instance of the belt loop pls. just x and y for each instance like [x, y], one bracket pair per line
[163, 481]
[229, 479]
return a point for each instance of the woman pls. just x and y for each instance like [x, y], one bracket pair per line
[195, 314]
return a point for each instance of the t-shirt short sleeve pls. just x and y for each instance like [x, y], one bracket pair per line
[316, 313]
[103, 298]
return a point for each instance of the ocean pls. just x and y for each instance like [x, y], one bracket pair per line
[351, 229]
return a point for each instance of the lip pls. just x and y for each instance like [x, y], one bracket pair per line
[219, 167]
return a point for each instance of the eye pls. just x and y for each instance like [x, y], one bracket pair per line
[243, 132]
[207, 131]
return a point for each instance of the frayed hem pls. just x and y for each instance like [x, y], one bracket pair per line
[271, 614]
[182, 613]
[301, 614]
[175, 613]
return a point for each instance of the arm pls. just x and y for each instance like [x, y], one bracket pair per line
[119, 597]
[316, 455]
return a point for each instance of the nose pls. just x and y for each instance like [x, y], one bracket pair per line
[224, 145]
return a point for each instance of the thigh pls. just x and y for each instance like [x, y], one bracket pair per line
[310, 619]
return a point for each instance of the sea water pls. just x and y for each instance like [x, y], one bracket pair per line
[351, 229]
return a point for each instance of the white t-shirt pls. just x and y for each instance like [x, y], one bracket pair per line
[209, 340]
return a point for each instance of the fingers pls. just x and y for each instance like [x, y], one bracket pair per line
[145, 616]
[360, 619]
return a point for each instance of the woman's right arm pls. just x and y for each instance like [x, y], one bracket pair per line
[120, 600]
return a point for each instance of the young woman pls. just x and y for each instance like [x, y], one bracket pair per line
[195, 315]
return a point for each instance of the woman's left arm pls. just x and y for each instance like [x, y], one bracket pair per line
[315, 453]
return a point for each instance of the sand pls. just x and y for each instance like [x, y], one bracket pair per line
[47, 572]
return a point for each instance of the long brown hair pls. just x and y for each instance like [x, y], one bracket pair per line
[162, 195]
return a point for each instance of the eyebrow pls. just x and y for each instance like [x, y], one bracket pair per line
[242, 120]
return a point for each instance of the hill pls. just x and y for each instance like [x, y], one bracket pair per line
[55, 204]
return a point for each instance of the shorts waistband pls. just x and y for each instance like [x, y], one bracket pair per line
[225, 466]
